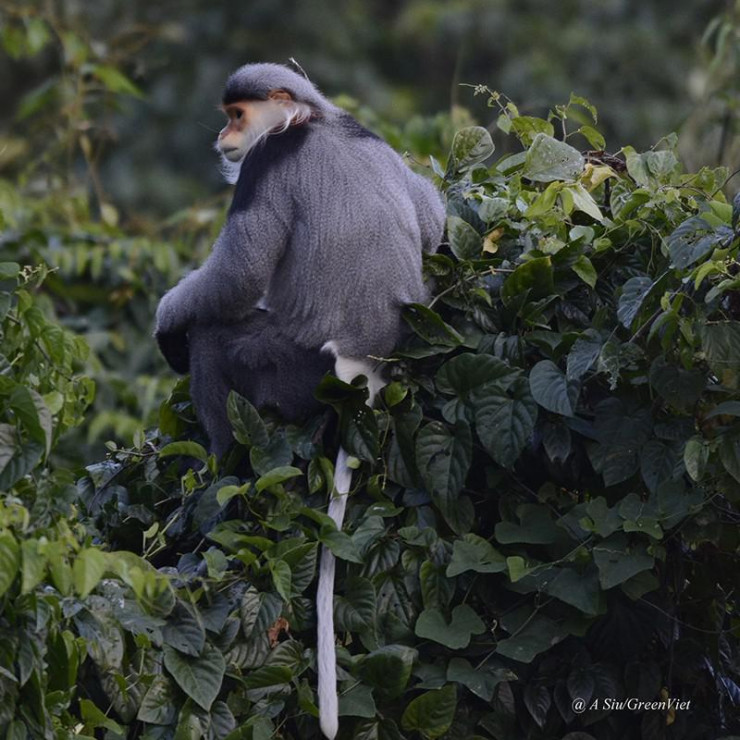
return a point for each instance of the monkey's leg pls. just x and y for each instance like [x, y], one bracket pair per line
[210, 383]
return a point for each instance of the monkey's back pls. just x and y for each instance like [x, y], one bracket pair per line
[354, 254]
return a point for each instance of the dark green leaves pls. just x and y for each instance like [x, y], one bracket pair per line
[454, 634]
[551, 389]
[443, 456]
[693, 240]
[534, 278]
[504, 419]
[249, 429]
[618, 561]
[430, 326]
[198, 676]
[431, 714]
[388, 669]
[633, 294]
[465, 241]
[620, 434]
[472, 552]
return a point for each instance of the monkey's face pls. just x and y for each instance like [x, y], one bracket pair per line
[234, 140]
[251, 120]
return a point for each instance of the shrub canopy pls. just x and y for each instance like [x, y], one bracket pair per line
[544, 508]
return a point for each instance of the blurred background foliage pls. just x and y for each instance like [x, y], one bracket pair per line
[110, 109]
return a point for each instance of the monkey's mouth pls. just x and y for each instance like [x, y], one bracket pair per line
[232, 153]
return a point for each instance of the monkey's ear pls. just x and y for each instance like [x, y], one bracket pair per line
[279, 95]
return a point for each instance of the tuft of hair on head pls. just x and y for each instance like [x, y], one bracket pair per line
[294, 63]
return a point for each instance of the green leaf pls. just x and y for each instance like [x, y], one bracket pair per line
[199, 677]
[660, 462]
[302, 563]
[580, 590]
[186, 449]
[470, 146]
[594, 138]
[342, 545]
[184, 631]
[430, 327]
[268, 675]
[94, 717]
[551, 389]
[693, 240]
[549, 159]
[88, 569]
[249, 429]
[585, 270]
[9, 270]
[721, 344]
[472, 552]
[618, 561]
[10, 560]
[226, 493]
[481, 681]
[531, 634]
[534, 277]
[355, 608]
[465, 373]
[33, 413]
[505, 419]
[584, 201]
[465, 242]
[681, 388]
[388, 669]
[34, 565]
[432, 713]
[695, 457]
[116, 81]
[620, 434]
[357, 702]
[8, 444]
[536, 527]
[527, 127]
[277, 476]
[634, 292]
[159, 705]
[281, 578]
[431, 625]
[443, 456]
[383, 729]
[581, 357]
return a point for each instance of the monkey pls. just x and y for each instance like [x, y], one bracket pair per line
[321, 248]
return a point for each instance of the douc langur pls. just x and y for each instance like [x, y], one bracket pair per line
[321, 248]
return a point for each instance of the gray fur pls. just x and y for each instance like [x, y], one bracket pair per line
[326, 231]
[256, 359]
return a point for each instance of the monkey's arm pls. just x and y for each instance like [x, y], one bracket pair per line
[233, 278]
[430, 211]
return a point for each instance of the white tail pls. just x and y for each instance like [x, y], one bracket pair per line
[327, 659]
[345, 369]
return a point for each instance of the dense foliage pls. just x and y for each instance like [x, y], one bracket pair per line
[645, 64]
[544, 510]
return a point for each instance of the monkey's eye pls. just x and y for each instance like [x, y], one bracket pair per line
[238, 113]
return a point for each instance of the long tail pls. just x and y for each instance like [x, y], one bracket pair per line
[345, 368]
[327, 661]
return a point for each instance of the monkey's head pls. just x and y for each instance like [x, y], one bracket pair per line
[261, 99]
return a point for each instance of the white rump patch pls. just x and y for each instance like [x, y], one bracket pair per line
[348, 368]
